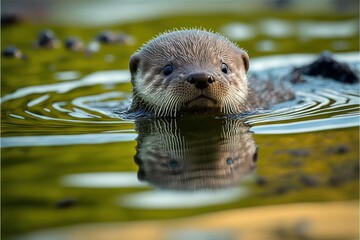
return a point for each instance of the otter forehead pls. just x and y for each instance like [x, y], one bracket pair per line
[187, 45]
[189, 71]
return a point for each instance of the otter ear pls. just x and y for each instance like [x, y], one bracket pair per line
[245, 58]
[134, 63]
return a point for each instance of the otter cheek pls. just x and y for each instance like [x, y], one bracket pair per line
[158, 83]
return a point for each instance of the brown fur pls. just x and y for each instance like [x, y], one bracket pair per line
[194, 153]
[189, 52]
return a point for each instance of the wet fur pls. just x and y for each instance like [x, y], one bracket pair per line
[189, 51]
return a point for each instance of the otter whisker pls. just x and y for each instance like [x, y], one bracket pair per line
[189, 53]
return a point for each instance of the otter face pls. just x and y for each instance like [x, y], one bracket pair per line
[189, 71]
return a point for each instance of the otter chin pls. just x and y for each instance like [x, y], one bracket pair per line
[189, 71]
[200, 102]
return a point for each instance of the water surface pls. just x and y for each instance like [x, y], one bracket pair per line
[68, 159]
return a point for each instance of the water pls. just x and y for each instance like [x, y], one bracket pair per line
[324, 105]
[71, 167]
[93, 148]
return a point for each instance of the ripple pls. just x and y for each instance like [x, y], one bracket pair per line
[338, 29]
[60, 140]
[176, 200]
[67, 75]
[38, 100]
[320, 105]
[308, 126]
[101, 77]
[68, 102]
[320, 110]
[102, 180]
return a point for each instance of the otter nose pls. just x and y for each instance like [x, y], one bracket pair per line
[201, 80]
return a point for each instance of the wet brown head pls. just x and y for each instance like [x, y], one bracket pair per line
[189, 71]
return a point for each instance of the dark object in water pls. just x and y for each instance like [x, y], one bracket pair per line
[325, 66]
[282, 189]
[280, 4]
[196, 89]
[9, 19]
[110, 37]
[65, 203]
[74, 44]
[343, 173]
[309, 181]
[47, 39]
[261, 181]
[126, 39]
[341, 149]
[12, 52]
[107, 36]
[299, 152]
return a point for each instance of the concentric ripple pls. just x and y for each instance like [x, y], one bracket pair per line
[88, 104]
[321, 104]
[65, 101]
[320, 110]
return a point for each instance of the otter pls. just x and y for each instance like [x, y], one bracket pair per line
[194, 152]
[197, 71]
[189, 71]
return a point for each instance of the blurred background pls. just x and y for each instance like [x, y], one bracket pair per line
[63, 62]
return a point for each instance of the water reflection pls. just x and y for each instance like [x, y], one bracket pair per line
[193, 153]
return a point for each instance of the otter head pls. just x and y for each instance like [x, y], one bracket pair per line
[189, 71]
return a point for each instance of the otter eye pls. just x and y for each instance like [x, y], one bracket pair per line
[167, 70]
[224, 68]
[229, 161]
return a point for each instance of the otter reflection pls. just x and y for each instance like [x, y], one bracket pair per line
[194, 152]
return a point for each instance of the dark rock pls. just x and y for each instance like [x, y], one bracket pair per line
[283, 189]
[345, 6]
[296, 163]
[126, 39]
[341, 149]
[299, 152]
[327, 67]
[12, 52]
[47, 39]
[110, 37]
[9, 19]
[65, 203]
[261, 181]
[344, 173]
[74, 44]
[280, 4]
[309, 181]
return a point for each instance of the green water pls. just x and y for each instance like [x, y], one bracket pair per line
[31, 175]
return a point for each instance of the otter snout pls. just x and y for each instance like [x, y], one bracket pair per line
[201, 80]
